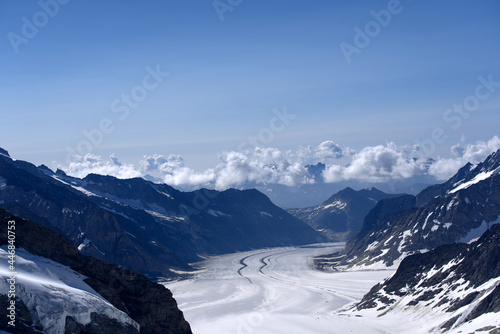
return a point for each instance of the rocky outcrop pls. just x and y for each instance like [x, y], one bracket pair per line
[151, 305]
[99, 324]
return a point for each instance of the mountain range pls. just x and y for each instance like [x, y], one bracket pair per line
[443, 242]
[141, 225]
[459, 210]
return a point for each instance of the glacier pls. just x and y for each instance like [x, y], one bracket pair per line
[52, 292]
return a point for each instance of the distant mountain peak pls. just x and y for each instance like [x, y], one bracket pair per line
[347, 190]
[45, 169]
[60, 172]
[341, 215]
[316, 171]
[469, 172]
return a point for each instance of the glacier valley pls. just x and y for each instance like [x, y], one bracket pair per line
[275, 290]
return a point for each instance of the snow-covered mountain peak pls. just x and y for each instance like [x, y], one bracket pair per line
[473, 174]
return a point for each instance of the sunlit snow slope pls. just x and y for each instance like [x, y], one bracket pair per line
[53, 292]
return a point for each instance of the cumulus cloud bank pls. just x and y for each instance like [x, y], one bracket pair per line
[265, 165]
[443, 169]
[90, 163]
[270, 165]
[376, 164]
[173, 172]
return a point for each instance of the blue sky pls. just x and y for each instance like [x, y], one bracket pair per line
[225, 77]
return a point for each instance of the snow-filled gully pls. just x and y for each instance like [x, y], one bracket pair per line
[274, 291]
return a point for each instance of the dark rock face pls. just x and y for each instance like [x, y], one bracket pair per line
[31, 194]
[457, 211]
[448, 279]
[144, 226]
[99, 324]
[149, 304]
[341, 216]
[384, 208]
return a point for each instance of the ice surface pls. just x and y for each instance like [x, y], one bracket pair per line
[274, 291]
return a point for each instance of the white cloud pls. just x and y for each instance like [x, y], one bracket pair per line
[172, 171]
[444, 168]
[81, 166]
[480, 150]
[325, 151]
[265, 165]
[187, 176]
[457, 150]
[328, 149]
[376, 164]
[270, 165]
[161, 163]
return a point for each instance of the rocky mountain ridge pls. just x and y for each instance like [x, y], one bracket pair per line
[144, 226]
[458, 210]
[121, 294]
[453, 287]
